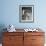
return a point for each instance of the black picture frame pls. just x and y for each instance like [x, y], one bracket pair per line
[26, 13]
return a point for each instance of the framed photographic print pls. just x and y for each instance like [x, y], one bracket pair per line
[26, 13]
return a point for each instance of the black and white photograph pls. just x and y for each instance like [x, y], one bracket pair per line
[26, 13]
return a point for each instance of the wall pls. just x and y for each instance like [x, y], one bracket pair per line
[9, 13]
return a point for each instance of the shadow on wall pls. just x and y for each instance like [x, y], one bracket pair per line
[2, 26]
